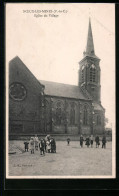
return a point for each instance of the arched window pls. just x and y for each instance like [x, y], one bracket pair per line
[47, 117]
[47, 112]
[85, 116]
[98, 120]
[72, 114]
[82, 74]
[58, 114]
[93, 73]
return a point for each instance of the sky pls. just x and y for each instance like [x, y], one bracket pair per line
[51, 46]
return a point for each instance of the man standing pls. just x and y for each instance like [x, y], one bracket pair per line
[97, 140]
[81, 141]
[104, 142]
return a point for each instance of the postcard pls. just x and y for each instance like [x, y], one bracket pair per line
[60, 90]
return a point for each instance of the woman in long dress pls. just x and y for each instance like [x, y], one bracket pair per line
[48, 146]
[36, 142]
[91, 140]
[32, 145]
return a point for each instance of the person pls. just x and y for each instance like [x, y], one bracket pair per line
[87, 142]
[42, 147]
[48, 146]
[32, 145]
[44, 144]
[91, 140]
[53, 145]
[36, 142]
[81, 141]
[97, 140]
[26, 146]
[104, 142]
[48, 137]
[68, 141]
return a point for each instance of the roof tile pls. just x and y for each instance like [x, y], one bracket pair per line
[62, 90]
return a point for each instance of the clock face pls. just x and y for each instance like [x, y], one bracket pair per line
[17, 91]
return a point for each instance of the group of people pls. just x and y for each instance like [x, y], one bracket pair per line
[89, 141]
[46, 144]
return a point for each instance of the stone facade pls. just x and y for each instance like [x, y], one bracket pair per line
[42, 107]
[24, 100]
[63, 115]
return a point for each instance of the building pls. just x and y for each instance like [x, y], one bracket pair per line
[41, 107]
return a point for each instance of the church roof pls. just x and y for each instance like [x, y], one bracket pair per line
[62, 90]
[97, 106]
[24, 73]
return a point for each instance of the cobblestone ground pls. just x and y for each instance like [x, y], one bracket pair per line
[69, 160]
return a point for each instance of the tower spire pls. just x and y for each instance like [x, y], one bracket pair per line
[90, 46]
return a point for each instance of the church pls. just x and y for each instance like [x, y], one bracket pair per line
[43, 107]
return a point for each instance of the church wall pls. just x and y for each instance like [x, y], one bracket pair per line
[73, 130]
[46, 119]
[86, 122]
[86, 130]
[94, 91]
[99, 126]
[57, 125]
[66, 126]
[24, 115]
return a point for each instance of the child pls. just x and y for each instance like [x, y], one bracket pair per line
[26, 146]
[68, 141]
[88, 142]
[42, 147]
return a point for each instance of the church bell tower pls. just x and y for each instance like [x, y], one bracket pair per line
[89, 71]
